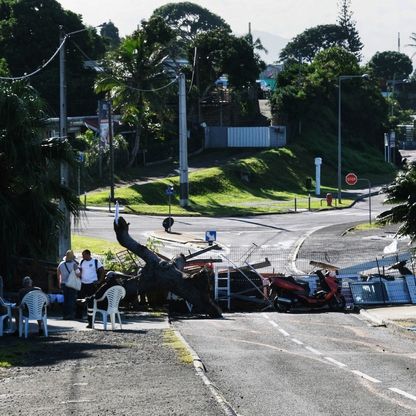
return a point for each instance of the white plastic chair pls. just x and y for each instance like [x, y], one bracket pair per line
[36, 302]
[114, 294]
[3, 317]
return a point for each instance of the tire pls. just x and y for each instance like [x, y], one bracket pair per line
[337, 304]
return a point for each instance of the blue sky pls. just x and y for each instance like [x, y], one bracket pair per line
[378, 21]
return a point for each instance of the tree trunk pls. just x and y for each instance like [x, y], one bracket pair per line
[161, 274]
[136, 145]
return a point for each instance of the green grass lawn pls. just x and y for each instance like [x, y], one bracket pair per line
[269, 181]
[96, 245]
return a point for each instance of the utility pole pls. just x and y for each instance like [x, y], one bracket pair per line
[183, 145]
[65, 231]
[110, 139]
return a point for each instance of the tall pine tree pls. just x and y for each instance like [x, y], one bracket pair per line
[348, 24]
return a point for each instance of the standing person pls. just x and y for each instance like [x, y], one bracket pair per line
[70, 295]
[92, 274]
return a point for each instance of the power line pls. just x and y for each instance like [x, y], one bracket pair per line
[154, 89]
[37, 70]
[102, 71]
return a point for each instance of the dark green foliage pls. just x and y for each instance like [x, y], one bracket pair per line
[390, 66]
[29, 183]
[29, 35]
[189, 20]
[345, 20]
[308, 96]
[219, 52]
[109, 33]
[136, 77]
[305, 46]
[402, 193]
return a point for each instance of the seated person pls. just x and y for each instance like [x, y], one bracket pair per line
[109, 281]
[27, 284]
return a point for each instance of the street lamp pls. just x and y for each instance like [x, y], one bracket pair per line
[65, 231]
[341, 78]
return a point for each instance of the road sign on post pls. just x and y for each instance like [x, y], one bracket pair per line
[351, 178]
[168, 222]
[210, 237]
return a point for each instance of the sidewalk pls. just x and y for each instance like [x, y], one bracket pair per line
[144, 369]
[141, 321]
[399, 317]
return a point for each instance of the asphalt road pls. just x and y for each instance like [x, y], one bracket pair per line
[290, 364]
[306, 364]
[282, 230]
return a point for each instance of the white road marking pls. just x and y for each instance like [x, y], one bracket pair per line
[282, 331]
[296, 341]
[403, 393]
[335, 362]
[313, 350]
[367, 377]
[77, 401]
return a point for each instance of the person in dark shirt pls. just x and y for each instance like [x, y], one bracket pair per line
[27, 284]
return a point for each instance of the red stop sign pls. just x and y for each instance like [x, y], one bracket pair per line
[351, 178]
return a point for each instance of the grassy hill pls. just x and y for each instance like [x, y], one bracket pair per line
[265, 181]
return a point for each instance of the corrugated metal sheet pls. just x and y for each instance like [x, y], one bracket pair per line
[397, 291]
[215, 137]
[248, 137]
[411, 286]
[219, 137]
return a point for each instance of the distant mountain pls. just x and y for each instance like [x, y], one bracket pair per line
[273, 43]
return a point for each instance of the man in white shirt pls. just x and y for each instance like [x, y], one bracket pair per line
[92, 275]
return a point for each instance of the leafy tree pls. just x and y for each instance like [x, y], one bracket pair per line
[305, 46]
[220, 52]
[29, 183]
[402, 193]
[309, 94]
[189, 20]
[135, 72]
[390, 65]
[110, 34]
[29, 36]
[346, 22]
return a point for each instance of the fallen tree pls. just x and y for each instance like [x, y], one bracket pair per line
[160, 274]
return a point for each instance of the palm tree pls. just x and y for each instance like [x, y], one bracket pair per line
[135, 72]
[413, 39]
[29, 184]
[402, 193]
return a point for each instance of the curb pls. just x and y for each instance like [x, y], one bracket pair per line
[369, 317]
[383, 322]
[178, 238]
[200, 371]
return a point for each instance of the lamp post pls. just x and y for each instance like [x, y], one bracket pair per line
[65, 231]
[183, 145]
[340, 79]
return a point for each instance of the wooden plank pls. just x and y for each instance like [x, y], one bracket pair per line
[326, 266]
